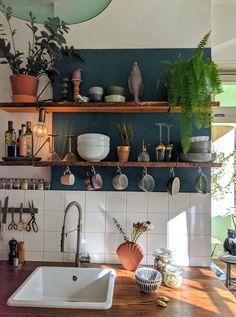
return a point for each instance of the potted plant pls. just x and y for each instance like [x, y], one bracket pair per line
[44, 49]
[129, 252]
[191, 84]
[126, 134]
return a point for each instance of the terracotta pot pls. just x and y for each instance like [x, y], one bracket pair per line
[123, 152]
[130, 255]
[24, 88]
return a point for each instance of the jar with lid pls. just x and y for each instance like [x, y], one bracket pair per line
[9, 182]
[2, 183]
[16, 183]
[47, 185]
[32, 184]
[40, 184]
[24, 183]
[173, 276]
[163, 257]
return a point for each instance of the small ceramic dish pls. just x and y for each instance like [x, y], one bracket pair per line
[114, 98]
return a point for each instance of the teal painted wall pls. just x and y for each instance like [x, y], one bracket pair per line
[112, 67]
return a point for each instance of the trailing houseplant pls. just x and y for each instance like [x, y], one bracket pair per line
[126, 134]
[44, 49]
[129, 252]
[191, 84]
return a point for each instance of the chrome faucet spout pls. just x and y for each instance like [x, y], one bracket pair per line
[78, 259]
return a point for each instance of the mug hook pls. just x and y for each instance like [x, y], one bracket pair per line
[145, 170]
[93, 170]
[67, 170]
[118, 170]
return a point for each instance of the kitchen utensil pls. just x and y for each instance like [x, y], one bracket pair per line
[32, 225]
[12, 225]
[201, 182]
[4, 218]
[0, 213]
[173, 184]
[21, 224]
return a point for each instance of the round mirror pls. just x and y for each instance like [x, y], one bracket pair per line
[71, 11]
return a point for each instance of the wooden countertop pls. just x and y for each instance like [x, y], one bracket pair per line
[202, 295]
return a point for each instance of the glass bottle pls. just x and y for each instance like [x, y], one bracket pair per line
[29, 139]
[144, 155]
[23, 142]
[10, 141]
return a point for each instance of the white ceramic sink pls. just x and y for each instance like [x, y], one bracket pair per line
[66, 287]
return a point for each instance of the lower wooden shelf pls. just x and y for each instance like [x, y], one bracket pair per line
[111, 163]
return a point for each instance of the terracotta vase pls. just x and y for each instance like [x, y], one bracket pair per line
[123, 152]
[130, 255]
[24, 88]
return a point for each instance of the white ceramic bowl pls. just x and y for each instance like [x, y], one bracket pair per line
[91, 142]
[96, 90]
[114, 98]
[93, 136]
[148, 279]
[93, 153]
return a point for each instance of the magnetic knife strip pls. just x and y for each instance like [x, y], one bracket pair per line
[24, 211]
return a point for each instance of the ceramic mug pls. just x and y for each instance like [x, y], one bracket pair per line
[68, 178]
[93, 180]
[146, 183]
[120, 180]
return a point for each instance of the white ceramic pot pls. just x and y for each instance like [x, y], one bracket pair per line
[94, 136]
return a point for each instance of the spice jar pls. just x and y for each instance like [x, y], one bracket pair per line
[16, 183]
[162, 258]
[173, 276]
[24, 183]
[2, 183]
[32, 184]
[40, 184]
[9, 182]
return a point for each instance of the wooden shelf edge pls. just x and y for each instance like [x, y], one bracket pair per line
[145, 106]
[114, 164]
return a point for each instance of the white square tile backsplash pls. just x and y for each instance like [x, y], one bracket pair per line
[181, 223]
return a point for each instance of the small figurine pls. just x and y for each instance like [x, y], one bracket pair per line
[135, 82]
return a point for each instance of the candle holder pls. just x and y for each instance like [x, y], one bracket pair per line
[76, 85]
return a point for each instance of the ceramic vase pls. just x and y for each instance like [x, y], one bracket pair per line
[123, 153]
[130, 255]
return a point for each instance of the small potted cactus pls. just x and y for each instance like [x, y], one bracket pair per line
[126, 133]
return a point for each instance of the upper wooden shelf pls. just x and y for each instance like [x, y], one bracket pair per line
[111, 164]
[145, 106]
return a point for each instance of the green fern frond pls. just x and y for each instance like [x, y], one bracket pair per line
[204, 41]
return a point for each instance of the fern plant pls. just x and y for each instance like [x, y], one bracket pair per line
[191, 84]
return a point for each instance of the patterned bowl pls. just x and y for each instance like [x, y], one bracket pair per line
[148, 279]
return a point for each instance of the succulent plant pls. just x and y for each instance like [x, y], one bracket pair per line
[126, 132]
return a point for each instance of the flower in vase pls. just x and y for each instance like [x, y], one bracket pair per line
[137, 229]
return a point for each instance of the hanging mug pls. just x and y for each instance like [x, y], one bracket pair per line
[146, 183]
[68, 178]
[173, 184]
[120, 180]
[93, 180]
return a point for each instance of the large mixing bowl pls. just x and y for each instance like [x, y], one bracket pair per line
[93, 147]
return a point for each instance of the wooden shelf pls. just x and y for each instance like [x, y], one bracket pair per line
[145, 106]
[112, 164]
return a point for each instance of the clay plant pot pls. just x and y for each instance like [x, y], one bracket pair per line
[123, 153]
[130, 255]
[24, 88]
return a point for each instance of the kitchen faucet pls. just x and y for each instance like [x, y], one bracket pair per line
[78, 259]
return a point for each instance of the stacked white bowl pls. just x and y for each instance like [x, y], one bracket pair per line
[148, 279]
[93, 147]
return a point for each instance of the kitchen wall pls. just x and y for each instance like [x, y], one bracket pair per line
[180, 224]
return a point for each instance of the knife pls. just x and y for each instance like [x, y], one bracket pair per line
[0, 213]
[4, 218]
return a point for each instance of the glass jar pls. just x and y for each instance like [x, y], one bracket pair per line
[32, 184]
[16, 183]
[2, 183]
[9, 182]
[173, 276]
[24, 183]
[40, 184]
[162, 258]
[47, 185]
